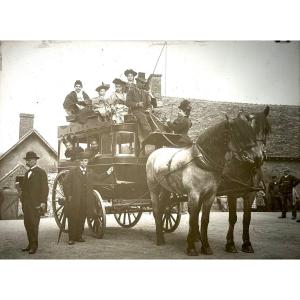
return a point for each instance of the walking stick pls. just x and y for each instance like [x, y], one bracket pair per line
[61, 228]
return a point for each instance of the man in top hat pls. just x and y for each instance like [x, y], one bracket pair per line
[34, 194]
[117, 101]
[139, 101]
[286, 183]
[78, 187]
[100, 104]
[130, 74]
[182, 123]
[76, 100]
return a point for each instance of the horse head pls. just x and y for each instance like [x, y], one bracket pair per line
[241, 140]
[261, 127]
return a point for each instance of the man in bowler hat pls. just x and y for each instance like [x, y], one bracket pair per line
[77, 187]
[34, 194]
[182, 123]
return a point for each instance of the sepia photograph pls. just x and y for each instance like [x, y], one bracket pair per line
[154, 149]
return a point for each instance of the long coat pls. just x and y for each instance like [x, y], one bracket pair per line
[181, 125]
[136, 95]
[35, 188]
[71, 101]
[73, 188]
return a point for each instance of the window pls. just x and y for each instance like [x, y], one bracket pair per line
[125, 143]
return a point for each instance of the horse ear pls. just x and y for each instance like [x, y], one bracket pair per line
[267, 110]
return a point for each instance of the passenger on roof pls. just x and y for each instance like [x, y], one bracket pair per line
[100, 104]
[117, 102]
[182, 123]
[130, 74]
[76, 100]
[139, 101]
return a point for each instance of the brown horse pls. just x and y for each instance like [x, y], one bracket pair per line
[196, 171]
[242, 180]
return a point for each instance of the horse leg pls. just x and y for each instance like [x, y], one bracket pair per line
[230, 246]
[158, 212]
[206, 206]
[193, 209]
[247, 247]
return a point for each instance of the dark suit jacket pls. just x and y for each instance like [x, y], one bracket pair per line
[136, 95]
[35, 188]
[181, 125]
[71, 100]
[72, 187]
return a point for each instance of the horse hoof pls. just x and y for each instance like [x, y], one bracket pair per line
[192, 252]
[206, 250]
[230, 248]
[247, 248]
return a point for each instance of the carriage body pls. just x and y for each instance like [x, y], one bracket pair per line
[124, 193]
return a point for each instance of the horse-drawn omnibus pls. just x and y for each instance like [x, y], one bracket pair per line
[124, 193]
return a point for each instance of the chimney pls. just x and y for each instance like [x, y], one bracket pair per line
[155, 84]
[26, 124]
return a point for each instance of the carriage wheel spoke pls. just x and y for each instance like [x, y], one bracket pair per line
[129, 218]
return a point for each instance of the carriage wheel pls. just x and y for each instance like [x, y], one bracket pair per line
[171, 217]
[58, 201]
[97, 222]
[128, 219]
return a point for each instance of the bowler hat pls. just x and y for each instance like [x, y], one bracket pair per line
[31, 154]
[78, 82]
[103, 86]
[141, 77]
[185, 105]
[119, 81]
[130, 71]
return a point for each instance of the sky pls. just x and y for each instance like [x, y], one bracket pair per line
[36, 76]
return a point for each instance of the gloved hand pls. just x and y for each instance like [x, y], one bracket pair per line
[110, 170]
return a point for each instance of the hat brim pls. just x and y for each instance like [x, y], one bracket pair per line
[102, 88]
[130, 72]
[35, 157]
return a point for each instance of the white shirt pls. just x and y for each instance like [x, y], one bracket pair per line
[30, 171]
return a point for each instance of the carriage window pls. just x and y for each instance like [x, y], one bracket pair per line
[62, 150]
[106, 143]
[125, 143]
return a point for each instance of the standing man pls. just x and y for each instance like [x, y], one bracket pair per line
[76, 100]
[130, 74]
[286, 183]
[77, 187]
[139, 101]
[34, 194]
[274, 193]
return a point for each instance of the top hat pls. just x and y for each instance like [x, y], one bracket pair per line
[130, 71]
[141, 77]
[185, 106]
[78, 82]
[103, 86]
[30, 155]
[119, 81]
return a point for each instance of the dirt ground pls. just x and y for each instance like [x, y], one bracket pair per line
[272, 238]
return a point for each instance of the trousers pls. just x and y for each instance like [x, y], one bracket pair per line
[287, 199]
[31, 223]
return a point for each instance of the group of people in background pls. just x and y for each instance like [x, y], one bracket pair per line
[283, 193]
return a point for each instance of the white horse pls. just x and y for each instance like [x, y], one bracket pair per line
[196, 171]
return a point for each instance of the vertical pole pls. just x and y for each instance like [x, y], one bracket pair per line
[166, 52]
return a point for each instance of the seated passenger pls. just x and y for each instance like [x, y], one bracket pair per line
[72, 151]
[182, 123]
[117, 102]
[130, 74]
[94, 151]
[100, 104]
[76, 100]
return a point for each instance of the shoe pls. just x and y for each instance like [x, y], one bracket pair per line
[71, 242]
[81, 240]
[298, 221]
[282, 217]
[32, 251]
[26, 249]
